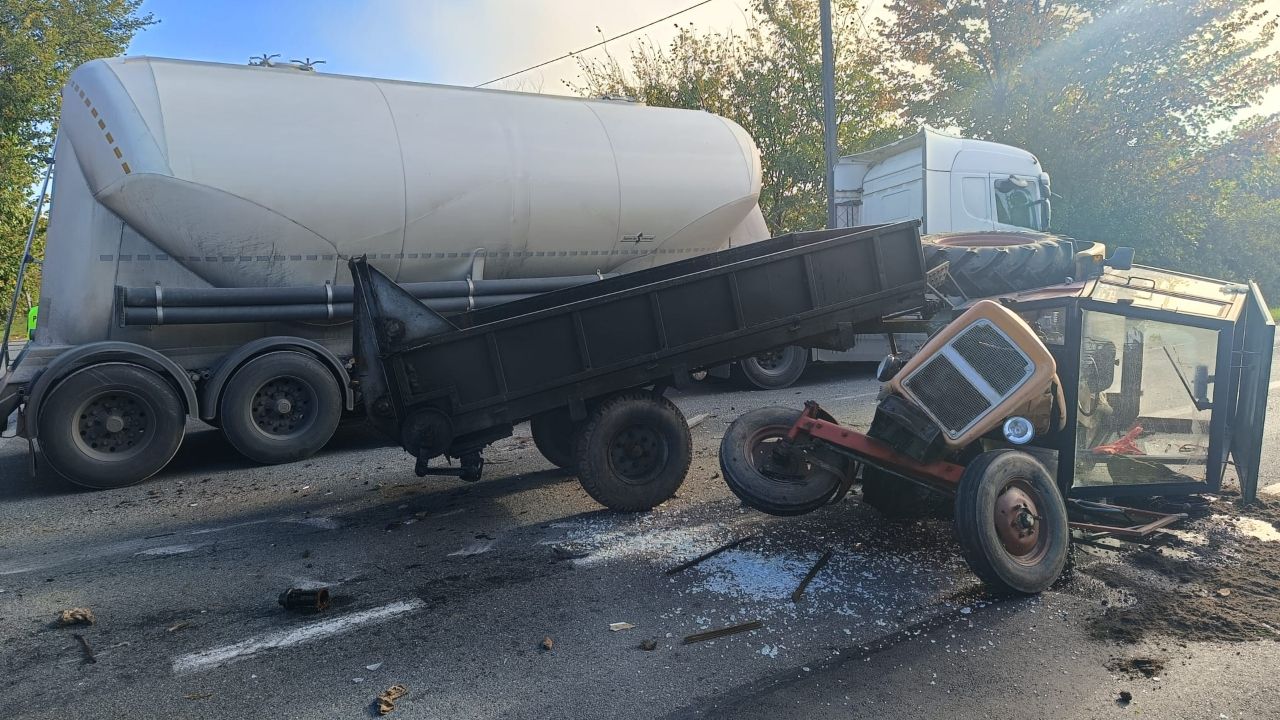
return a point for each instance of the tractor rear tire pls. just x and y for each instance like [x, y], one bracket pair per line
[983, 264]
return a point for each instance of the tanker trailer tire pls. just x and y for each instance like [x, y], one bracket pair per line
[983, 264]
[759, 469]
[1011, 523]
[772, 370]
[111, 425]
[633, 451]
[555, 435]
[280, 407]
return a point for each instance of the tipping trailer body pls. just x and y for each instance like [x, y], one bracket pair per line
[449, 388]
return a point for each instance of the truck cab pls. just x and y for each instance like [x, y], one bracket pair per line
[950, 183]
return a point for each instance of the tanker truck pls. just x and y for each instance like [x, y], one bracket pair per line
[203, 215]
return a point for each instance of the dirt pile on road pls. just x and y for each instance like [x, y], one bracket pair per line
[1225, 586]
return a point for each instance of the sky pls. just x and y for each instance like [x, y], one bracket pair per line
[458, 42]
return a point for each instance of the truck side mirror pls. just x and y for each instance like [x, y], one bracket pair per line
[1121, 259]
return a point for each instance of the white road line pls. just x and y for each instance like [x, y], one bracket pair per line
[859, 396]
[214, 657]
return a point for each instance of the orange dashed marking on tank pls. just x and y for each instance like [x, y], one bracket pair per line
[119, 154]
[102, 125]
[87, 103]
[125, 167]
[81, 93]
[94, 112]
[110, 140]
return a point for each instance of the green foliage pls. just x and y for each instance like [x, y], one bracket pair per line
[41, 42]
[767, 79]
[1118, 99]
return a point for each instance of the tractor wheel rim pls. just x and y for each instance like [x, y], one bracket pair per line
[1019, 524]
[637, 454]
[115, 425]
[283, 407]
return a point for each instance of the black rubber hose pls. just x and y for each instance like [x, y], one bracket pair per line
[175, 297]
[287, 313]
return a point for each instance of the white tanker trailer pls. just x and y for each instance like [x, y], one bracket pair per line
[203, 213]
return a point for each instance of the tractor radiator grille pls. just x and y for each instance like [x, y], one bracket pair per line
[944, 393]
[969, 377]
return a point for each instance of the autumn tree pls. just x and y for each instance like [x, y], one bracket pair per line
[41, 42]
[1124, 102]
[767, 79]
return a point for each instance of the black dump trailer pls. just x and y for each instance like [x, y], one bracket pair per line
[589, 365]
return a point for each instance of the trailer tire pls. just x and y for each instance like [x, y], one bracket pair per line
[111, 425]
[634, 451]
[1011, 522]
[555, 435]
[772, 370]
[280, 407]
[746, 443]
[983, 264]
[899, 499]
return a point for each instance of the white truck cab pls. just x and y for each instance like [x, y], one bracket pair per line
[952, 184]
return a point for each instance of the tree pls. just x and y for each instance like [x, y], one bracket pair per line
[1118, 99]
[41, 42]
[767, 79]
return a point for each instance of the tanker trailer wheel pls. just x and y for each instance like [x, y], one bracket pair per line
[765, 473]
[633, 451]
[555, 434]
[772, 370]
[1011, 522]
[111, 425]
[280, 407]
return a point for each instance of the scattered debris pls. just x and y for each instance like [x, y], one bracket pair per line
[375, 666]
[724, 631]
[178, 626]
[620, 626]
[710, 554]
[476, 548]
[198, 696]
[813, 572]
[548, 643]
[1125, 698]
[1224, 592]
[697, 420]
[89, 657]
[305, 599]
[649, 645]
[563, 553]
[76, 616]
[1133, 668]
[386, 702]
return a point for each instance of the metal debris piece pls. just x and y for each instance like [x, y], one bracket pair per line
[708, 555]
[198, 696]
[1224, 592]
[649, 645]
[697, 420]
[620, 626]
[178, 626]
[305, 599]
[1125, 698]
[722, 632]
[809, 576]
[374, 666]
[548, 643]
[76, 616]
[564, 553]
[89, 657]
[386, 701]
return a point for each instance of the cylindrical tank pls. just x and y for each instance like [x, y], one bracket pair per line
[253, 176]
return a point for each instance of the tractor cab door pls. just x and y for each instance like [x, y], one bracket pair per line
[1252, 351]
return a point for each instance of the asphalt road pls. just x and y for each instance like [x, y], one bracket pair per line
[449, 589]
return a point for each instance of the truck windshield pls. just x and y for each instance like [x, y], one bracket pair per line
[1016, 204]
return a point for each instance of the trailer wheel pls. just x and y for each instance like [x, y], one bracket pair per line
[555, 434]
[634, 451]
[1011, 522]
[111, 425]
[760, 472]
[772, 370]
[280, 407]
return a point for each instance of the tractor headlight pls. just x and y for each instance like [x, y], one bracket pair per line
[1019, 430]
[889, 367]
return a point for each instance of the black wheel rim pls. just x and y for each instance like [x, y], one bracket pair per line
[283, 407]
[637, 454]
[114, 426]
[773, 362]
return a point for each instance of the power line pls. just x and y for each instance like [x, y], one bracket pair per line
[592, 47]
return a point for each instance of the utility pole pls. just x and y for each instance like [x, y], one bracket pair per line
[828, 109]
